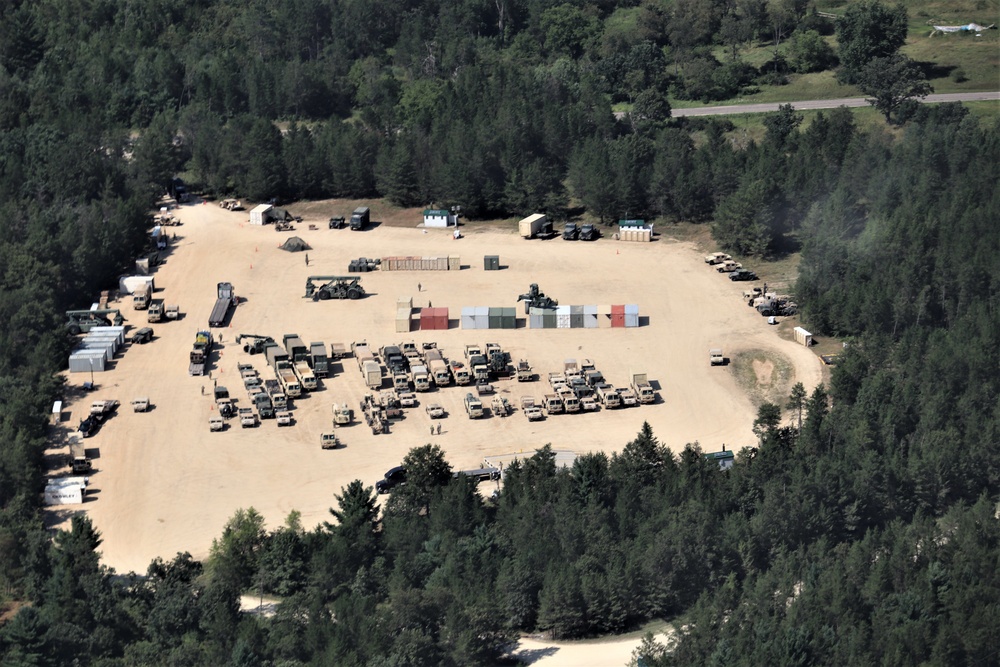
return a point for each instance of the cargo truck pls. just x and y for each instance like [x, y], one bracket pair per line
[438, 368]
[296, 349]
[225, 299]
[360, 219]
[337, 351]
[400, 381]
[421, 377]
[142, 295]
[274, 355]
[78, 461]
[199, 355]
[643, 390]
[570, 402]
[318, 359]
[473, 406]
[140, 404]
[283, 418]
[608, 396]
[286, 376]
[264, 406]
[216, 423]
[530, 227]
[524, 372]
[371, 371]
[460, 373]
[306, 376]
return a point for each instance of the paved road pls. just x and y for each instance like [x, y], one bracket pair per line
[822, 104]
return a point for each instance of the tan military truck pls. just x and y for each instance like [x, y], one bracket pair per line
[140, 404]
[716, 357]
[216, 423]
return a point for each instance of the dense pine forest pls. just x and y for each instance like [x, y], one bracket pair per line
[866, 533]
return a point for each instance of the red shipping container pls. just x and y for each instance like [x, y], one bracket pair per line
[426, 319]
[617, 319]
[441, 319]
[617, 310]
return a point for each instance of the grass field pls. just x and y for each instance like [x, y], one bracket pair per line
[954, 63]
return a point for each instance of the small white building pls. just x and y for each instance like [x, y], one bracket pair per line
[260, 215]
[439, 217]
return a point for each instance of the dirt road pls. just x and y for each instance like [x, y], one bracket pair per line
[163, 483]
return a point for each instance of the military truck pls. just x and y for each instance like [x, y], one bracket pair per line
[479, 474]
[247, 418]
[716, 357]
[643, 390]
[142, 295]
[329, 441]
[254, 344]
[473, 406]
[172, 312]
[553, 404]
[342, 415]
[435, 411]
[216, 423]
[296, 349]
[334, 287]
[372, 372]
[289, 381]
[264, 406]
[728, 266]
[627, 397]
[608, 396]
[571, 403]
[588, 404]
[524, 372]
[140, 404]
[307, 379]
[283, 417]
[530, 410]
[407, 399]
[82, 321]
[716, 258]
[421, 377]
[360, 219]
[438, 368]
[78, 461]
[338, 222]
[501, 406]
[155, 311]
[460, 373]
[318, 359]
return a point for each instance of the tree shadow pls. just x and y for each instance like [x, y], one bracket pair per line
[935, 70]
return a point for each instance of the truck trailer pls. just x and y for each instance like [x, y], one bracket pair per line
[225, 299]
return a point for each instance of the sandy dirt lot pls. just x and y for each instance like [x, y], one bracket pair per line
[590, 653]
[164, 484]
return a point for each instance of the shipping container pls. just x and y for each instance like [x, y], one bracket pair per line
[454, 263]
[631, 309]
[402, 320]
[468, 317]
[509, 315]
[491, 263]
[87, 361]
[404, 302]
[482, 317]
[496, 318]
[617, 320]
[631, 320]
[563, 321]
[535, 321]
[441, 319]
[803, 337]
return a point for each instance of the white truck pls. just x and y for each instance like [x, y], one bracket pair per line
[342, 415]
[247, 418]
[140, 404]
[305, 374]
[216, 423]
[154, 313]
[608, 396]
[715, 357]
[643, 390]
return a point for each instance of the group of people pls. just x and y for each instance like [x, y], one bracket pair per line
[438, 429]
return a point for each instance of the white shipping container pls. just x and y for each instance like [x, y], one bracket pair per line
[535, 321]
[563, 321]
[631, 309]
[589, 321]
[258, 216]
[128, 284]
[631, 320]
[68, 495]
[563, 310]
[803, 337]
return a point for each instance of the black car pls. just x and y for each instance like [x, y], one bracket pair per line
[742, 274]
[393, 477]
